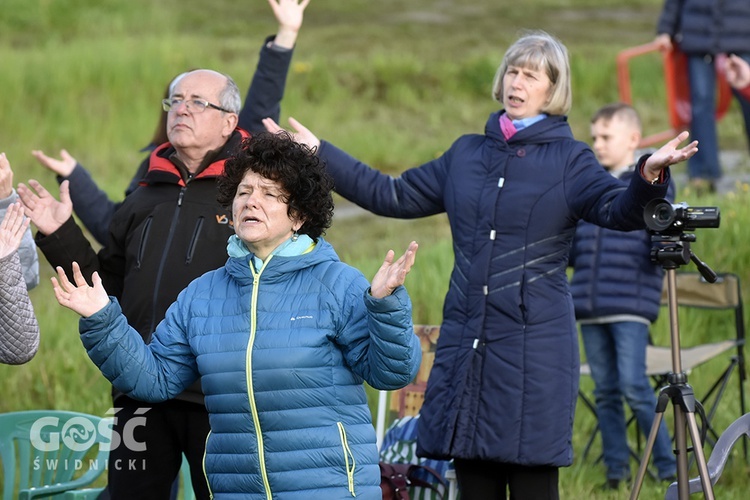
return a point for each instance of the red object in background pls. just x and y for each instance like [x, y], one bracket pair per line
[677, 87]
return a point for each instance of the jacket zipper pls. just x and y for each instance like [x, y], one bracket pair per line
[164, 255]
[249, 378]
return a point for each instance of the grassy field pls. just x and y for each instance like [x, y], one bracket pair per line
[392, 82]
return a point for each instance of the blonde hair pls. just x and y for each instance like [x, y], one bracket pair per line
[539, 50]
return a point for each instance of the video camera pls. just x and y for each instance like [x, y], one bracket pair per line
[669, 219]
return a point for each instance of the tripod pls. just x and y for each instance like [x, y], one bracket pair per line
[678, 391]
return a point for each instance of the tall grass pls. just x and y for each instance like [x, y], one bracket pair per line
[392, 82]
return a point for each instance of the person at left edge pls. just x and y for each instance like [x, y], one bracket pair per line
[282, 338]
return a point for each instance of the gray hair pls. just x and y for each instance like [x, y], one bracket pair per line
[539, 50]
[229, 97]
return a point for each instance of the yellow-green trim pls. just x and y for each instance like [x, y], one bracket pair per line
[249, 377]
[347, 456]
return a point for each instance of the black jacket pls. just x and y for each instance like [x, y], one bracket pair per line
[164, 235]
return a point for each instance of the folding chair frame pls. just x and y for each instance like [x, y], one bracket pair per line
[706, 297]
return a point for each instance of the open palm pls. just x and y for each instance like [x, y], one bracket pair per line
[393, 274]
[79, 296]
[11, 229]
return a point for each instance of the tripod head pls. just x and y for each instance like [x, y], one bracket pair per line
[674, 251]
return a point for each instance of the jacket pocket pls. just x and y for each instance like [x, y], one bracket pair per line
[349, 462]
[194, 240]
[144, 241]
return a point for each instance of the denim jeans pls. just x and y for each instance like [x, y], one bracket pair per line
[702, 78]
[616, 353]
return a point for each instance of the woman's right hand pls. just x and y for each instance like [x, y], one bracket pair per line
[301, 134]
[47, 214]
[80, 297]
[63, 167]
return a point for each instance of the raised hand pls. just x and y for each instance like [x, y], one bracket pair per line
[6, 177]
[45, 211]
[12, 227]
[393, 274]
[289, 14]
[63, 167]
[669, 154]
[301, 134]
[80, 297]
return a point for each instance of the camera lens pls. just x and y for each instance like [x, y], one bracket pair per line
[658, 215]
[663, 214]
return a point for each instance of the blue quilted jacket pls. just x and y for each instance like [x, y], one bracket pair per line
[282, 355]
[504, 383]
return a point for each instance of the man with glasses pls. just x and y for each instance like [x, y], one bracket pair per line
[92, 205]
[166, 233]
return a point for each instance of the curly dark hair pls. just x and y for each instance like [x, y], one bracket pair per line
[297, 169]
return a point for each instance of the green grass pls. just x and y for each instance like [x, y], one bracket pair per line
[392, 82]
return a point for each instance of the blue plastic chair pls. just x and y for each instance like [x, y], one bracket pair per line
[45, 451]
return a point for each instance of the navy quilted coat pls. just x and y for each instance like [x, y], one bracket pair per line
[281, 354]
[504, 383]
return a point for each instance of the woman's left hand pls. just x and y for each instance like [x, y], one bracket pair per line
[393, 274]
[669, 154]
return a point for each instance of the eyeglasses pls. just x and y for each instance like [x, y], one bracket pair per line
[193, 105]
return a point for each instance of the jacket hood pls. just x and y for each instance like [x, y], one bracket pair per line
[552, 128]
[240, 267]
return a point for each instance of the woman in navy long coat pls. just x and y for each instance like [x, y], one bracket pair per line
[501, 395]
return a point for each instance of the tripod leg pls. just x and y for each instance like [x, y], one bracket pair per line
[708, 490]
[680, 441]
[647, 453]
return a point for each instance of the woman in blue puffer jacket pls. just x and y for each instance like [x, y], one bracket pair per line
[282, 338]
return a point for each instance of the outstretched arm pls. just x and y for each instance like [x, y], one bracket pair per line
[289, 14]
[154, 372]
[269, 81]
[92, 205]
[378, 338]
[669, 154]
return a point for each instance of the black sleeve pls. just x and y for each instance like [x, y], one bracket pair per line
[92, 205]
[266, 90]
